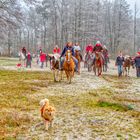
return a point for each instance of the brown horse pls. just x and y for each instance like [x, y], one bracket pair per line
[128, 62]
[98, 63]
[79, 58]
[69, 66]
[55, 63]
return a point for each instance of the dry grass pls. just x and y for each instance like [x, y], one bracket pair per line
[4, 61]
[15, 91]
[105, 109]
[118, 82]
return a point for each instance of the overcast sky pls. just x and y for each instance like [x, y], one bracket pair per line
[132, 3]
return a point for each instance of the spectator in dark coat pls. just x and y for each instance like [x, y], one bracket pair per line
[28, 60]
[137, 64]
[119, 63]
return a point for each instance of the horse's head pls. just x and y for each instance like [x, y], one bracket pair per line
[132, 63]
[76, 52]
[55, 61]
[68, 56]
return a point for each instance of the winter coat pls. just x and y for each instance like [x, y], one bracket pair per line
[119, 60]
[42, 57]
[89, 48]
[77, 48]
[29, 57]
[98, 48]
[137, 61]
[56, 50]
[65, 50]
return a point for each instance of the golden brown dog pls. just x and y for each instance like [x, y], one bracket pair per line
[47, 113]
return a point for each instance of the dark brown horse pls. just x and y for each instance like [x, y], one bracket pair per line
[128, 62]
[79, 58]
[98, 63]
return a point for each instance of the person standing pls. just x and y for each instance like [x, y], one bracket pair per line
[137, 64]
[39, 51]
[42, 59]
[119, 63]
[28, 60]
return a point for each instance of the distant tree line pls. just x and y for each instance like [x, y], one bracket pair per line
[34, 24]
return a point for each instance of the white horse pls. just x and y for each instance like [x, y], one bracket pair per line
[22, 59]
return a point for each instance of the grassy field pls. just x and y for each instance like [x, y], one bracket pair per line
[8, 62]
[16, 101]
[91, 107]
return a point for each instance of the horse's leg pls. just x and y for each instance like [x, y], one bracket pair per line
[24, 63]
[79, 68]
[128, 70]
[70, 76]
[66, 75]
[73, 73]
[57, 74]
[103, 67]
[100, 70]
[54, 75]
[123, 72]
[94, 69]
[106, 67]
[61, 75]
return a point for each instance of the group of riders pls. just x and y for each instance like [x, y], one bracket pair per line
[96, 56]
[90, 53]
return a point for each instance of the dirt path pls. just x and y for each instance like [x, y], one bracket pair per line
[79, 113]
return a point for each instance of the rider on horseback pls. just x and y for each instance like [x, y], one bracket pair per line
[56, 50]
[98, 49]
[77, 48]
[24, 51]
[70, 47]
[89, 48]
[105, 53]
